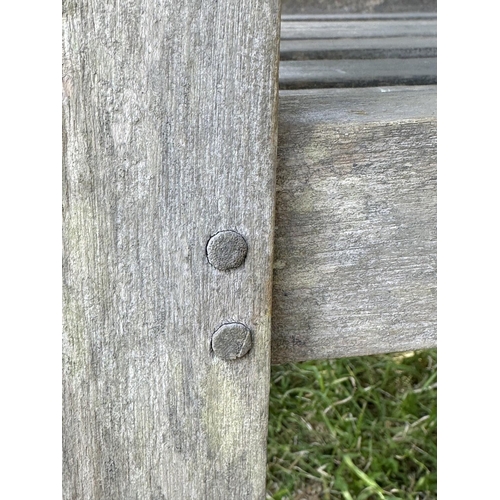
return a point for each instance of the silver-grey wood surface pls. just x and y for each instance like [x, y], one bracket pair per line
[359, 48]
[169, 122]
[356, 6]
[357, 73]
[363, 16]
[367, 28]
[355, 241]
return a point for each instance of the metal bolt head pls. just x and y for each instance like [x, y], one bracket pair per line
[231, 341]
[226, 250]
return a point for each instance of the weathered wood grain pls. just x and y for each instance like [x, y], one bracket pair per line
[355, 241]
[169, 117]
[364, 16]
[357, 6]
[357, 73]
[306, 30]
[359, 48]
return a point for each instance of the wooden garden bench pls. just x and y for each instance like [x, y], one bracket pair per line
[209, 230]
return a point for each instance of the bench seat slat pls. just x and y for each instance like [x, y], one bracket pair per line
[305, 30]
[369, 7]
[357, 73]
[365, 16]
[359, 48]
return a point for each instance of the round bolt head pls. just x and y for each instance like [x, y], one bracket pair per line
[231, 341]
[226, 250]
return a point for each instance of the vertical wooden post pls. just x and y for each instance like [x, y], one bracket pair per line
[170, 116]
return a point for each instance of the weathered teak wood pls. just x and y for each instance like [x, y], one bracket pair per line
[355, 242]
[357, 73]
[340, 28]
[170, 136]
[357, 6]
[358, 36]
[359, 48]
[371, 16]
[358, 51]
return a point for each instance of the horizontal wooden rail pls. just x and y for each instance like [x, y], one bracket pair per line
[355, 237]
[298, 30]
[357, 73]
[324, 7]
[359, 16]
[359, 48]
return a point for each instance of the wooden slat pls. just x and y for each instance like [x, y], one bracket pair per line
[170, 116]
[355, 241]
[357, 73]
[356, 6]
[305, 30]
[359, 16]
[359, 48]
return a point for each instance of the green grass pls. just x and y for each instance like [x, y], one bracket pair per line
[354, 429]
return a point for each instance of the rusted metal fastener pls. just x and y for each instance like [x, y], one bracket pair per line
[226, 250]
[231, 341]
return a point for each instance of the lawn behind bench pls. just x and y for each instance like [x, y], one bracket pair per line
[356, 428]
